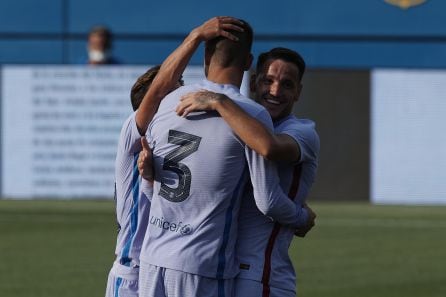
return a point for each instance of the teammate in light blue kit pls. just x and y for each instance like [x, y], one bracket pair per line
[200, 176]
[266, 269]
[132, 205]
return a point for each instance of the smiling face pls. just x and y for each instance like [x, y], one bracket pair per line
[277, 87]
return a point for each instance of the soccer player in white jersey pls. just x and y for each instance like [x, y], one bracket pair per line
[132, 205]
[266, 269]
[200, 175]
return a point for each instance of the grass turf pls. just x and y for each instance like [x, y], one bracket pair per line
[55, 248]
[364, 250]
[65, 248]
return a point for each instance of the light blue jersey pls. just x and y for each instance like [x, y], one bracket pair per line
[201, 171]
[132, 207]
[132, 211]
[263, 245]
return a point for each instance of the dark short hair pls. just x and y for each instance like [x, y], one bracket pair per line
[142, 84]
[228, 52]
[281, 53]
[105, 32]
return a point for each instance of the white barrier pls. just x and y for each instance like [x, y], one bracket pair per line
[408, 138]
[60, 127]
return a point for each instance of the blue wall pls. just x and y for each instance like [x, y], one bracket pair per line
[329, 33]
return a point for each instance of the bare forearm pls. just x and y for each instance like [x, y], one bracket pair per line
[252, 132]
[168, 75]
[276, 147]
[174, 65]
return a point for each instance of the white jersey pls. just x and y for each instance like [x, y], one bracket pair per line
[262, 246]
[132, 207]
[201, 169]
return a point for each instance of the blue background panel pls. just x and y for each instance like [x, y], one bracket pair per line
[331, 34]
[31, 16]
[317, 54]
[30, 52]
[365, 54]
[134, 51]
[364, 17]
[140, 16]
[320, 17]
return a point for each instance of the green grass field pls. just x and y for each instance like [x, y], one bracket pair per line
[65, 248]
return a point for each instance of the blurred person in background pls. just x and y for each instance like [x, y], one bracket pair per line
[99, 47]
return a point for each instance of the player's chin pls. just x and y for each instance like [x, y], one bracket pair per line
[274, 113]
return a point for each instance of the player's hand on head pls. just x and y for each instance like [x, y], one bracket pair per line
[219, 27]
[145, 164]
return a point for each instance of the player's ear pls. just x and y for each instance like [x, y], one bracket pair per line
[248, 62]
[252, 83]
[299, 90]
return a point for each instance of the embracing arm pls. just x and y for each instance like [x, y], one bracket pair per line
[269, 196]
[276, 147]
[172, 68]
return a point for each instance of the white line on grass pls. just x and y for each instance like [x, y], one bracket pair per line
[390, 223]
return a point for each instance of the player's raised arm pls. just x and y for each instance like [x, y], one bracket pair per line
[280, 147]
[172, 68]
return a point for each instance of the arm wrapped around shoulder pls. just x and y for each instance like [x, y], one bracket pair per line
[269, 196]
[281, 208]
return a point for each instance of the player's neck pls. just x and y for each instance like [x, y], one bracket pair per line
[229, 75]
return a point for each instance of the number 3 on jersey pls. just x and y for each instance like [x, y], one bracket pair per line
[188, 144]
